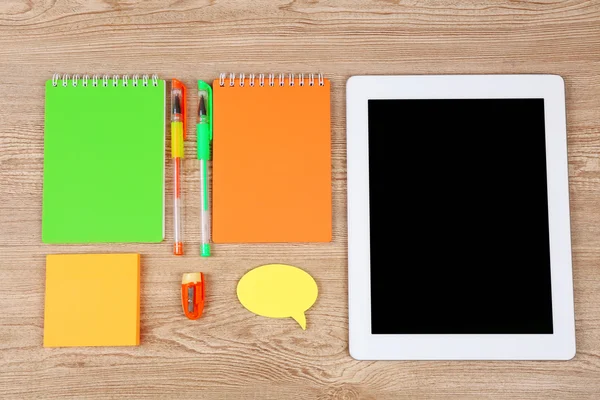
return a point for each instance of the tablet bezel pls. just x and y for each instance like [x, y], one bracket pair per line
[365, 346]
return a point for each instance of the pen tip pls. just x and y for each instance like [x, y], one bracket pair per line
[202, 107]
[177, 105]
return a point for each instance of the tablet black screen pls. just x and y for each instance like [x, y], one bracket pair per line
[459, 217]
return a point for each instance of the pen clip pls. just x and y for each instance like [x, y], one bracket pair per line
[175, 84]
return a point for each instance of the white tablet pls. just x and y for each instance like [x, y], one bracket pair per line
[458, 218]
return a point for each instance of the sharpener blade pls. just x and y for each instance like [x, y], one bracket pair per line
[191, 299]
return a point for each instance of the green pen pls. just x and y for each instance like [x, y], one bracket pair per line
[205, 136]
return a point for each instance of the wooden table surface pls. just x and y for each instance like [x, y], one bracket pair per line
[230, 353]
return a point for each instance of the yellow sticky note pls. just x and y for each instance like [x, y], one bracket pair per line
[278, 291]
[92, 300]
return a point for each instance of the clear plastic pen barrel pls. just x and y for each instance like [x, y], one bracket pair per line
[205, 209]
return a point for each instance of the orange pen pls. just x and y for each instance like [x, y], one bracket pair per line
[193, 294]
[177, 138]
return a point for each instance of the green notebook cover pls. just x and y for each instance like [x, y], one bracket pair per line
[104, 158]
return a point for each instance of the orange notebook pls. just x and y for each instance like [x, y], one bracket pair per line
[92, 300]
[271, 159]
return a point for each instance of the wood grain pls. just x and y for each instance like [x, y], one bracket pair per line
[231, 354]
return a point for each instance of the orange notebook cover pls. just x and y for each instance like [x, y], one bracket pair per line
[92, 300]
[271, 159]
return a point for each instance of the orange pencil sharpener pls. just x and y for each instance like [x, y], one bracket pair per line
[193, 294]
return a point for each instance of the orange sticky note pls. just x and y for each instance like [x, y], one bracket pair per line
[92, 300]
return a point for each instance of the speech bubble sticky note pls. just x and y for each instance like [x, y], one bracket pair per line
[278, 291]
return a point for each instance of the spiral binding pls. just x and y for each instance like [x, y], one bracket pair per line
[104, 80]
[229, 79]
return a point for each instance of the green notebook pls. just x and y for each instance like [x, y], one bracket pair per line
[104, 158]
